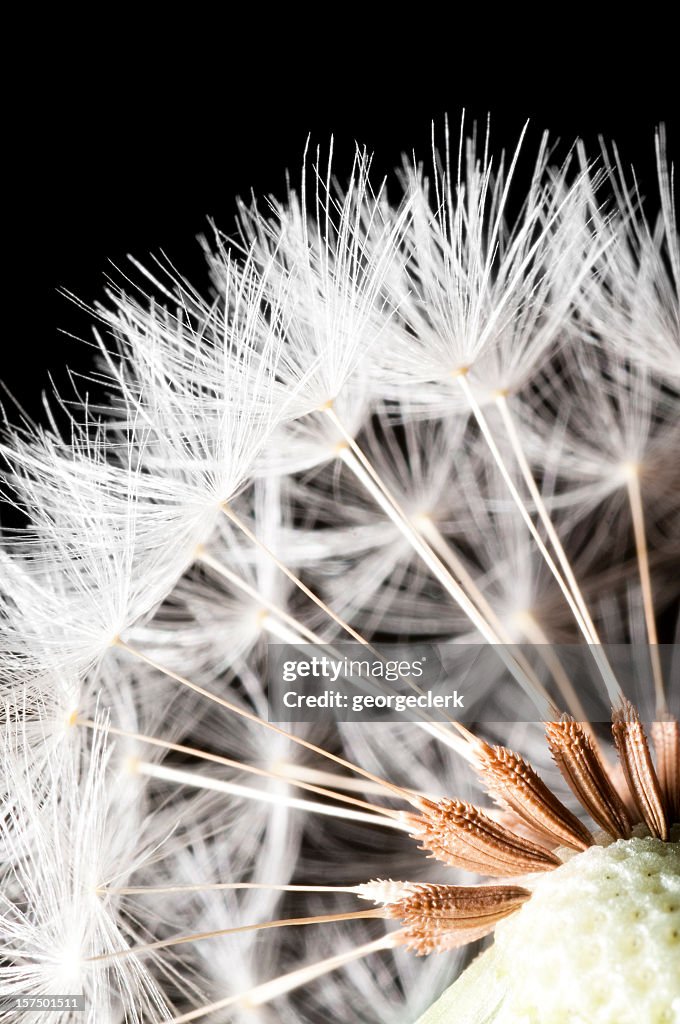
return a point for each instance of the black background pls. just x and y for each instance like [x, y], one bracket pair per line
[124, 139]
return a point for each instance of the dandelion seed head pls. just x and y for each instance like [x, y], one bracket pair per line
[444, 413]
[609, 914]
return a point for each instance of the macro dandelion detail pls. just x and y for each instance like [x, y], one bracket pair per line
[436, 410]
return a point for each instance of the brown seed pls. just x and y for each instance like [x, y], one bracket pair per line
[631, 743]
[581, 767]
[666, 737]
[460, 834]
[440, 917]
[515, 784]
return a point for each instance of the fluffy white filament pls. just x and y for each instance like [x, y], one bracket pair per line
[447, 409]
